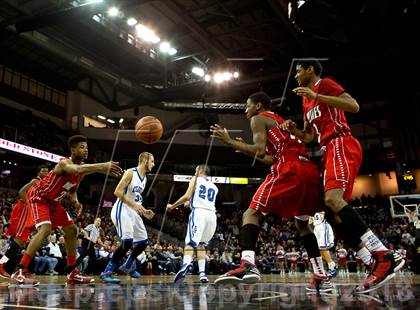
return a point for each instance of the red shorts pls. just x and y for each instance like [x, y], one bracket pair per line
[45, 212]
[293, 262]
[342, 160]
[17, 226]
[291, 189]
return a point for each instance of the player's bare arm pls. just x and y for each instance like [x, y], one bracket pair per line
[307, 134]
[184, 198]
[259, 136]
[267, 159]
[25, 189]
[120, 193]
[343, 102]
[67, 166]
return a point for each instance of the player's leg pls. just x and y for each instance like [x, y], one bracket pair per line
[125, 229]
[192, 240]
[208, 233]
[73, 274]
[140, 242]
[14, 246]
[248, 236]
[339, 180]
[320, 279]
[38, 215]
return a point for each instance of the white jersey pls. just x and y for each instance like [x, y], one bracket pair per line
[136, 187]
[204, 196]
[128, 222]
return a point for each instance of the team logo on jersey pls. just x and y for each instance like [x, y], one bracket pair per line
[137, 189]
[314, 113]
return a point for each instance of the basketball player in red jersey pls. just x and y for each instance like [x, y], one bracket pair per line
[17, 231]
[324, 104]
[290, 190]
[47, 213]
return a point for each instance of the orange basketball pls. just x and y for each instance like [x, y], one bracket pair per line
[148, 129]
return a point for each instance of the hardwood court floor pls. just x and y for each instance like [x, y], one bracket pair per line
[158, 292]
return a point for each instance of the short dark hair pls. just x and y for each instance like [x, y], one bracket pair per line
[204, 168]
[306, 63]
[38, 170]
[261, 97]
[74, 140]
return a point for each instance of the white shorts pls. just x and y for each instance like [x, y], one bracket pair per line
[201, 227]
[128, 222]
[324, 235]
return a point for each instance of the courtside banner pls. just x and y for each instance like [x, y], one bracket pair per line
[30, 151]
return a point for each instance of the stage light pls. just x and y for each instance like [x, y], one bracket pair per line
[164, 47]
[236, 74]
[198, 71]
[227, 76]
[113, 11]
[172, 51]
[101, 117]
[121, 120]
[131, 21]
[218, 78]
[110, 121]
[207, 78]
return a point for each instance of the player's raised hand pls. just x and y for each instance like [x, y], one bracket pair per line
[288, 125]
[113, 168]
[169, 207]
[187, 204]
[305, 92]
[220, 133]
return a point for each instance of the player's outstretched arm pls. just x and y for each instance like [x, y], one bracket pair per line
[25, 189]
[67, 166]
[259, 136]
[184, 198]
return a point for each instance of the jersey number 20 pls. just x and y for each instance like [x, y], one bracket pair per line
[210, 193]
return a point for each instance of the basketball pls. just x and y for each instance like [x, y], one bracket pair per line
[148, 129]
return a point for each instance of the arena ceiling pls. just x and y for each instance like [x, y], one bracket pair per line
[371, 45]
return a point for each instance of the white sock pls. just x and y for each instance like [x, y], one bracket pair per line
[249, 256]
[202, 266]
[4, 259]
[372, 242]
[318, 265]
[364, 255]
[187, 259]
[331, 265]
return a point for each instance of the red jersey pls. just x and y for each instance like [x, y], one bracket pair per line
[329, 122]
[281, 145]
[53, 188]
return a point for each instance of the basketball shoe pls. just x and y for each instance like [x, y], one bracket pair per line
[386, 264]
[23, 277]
[246, 272]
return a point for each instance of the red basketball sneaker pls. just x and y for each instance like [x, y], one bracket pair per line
[23, 277]
[246, 273]
[76, 278]
[386, 264]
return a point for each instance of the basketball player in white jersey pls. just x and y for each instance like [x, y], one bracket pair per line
[325, 237]
[126, 216]
[202, 222]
